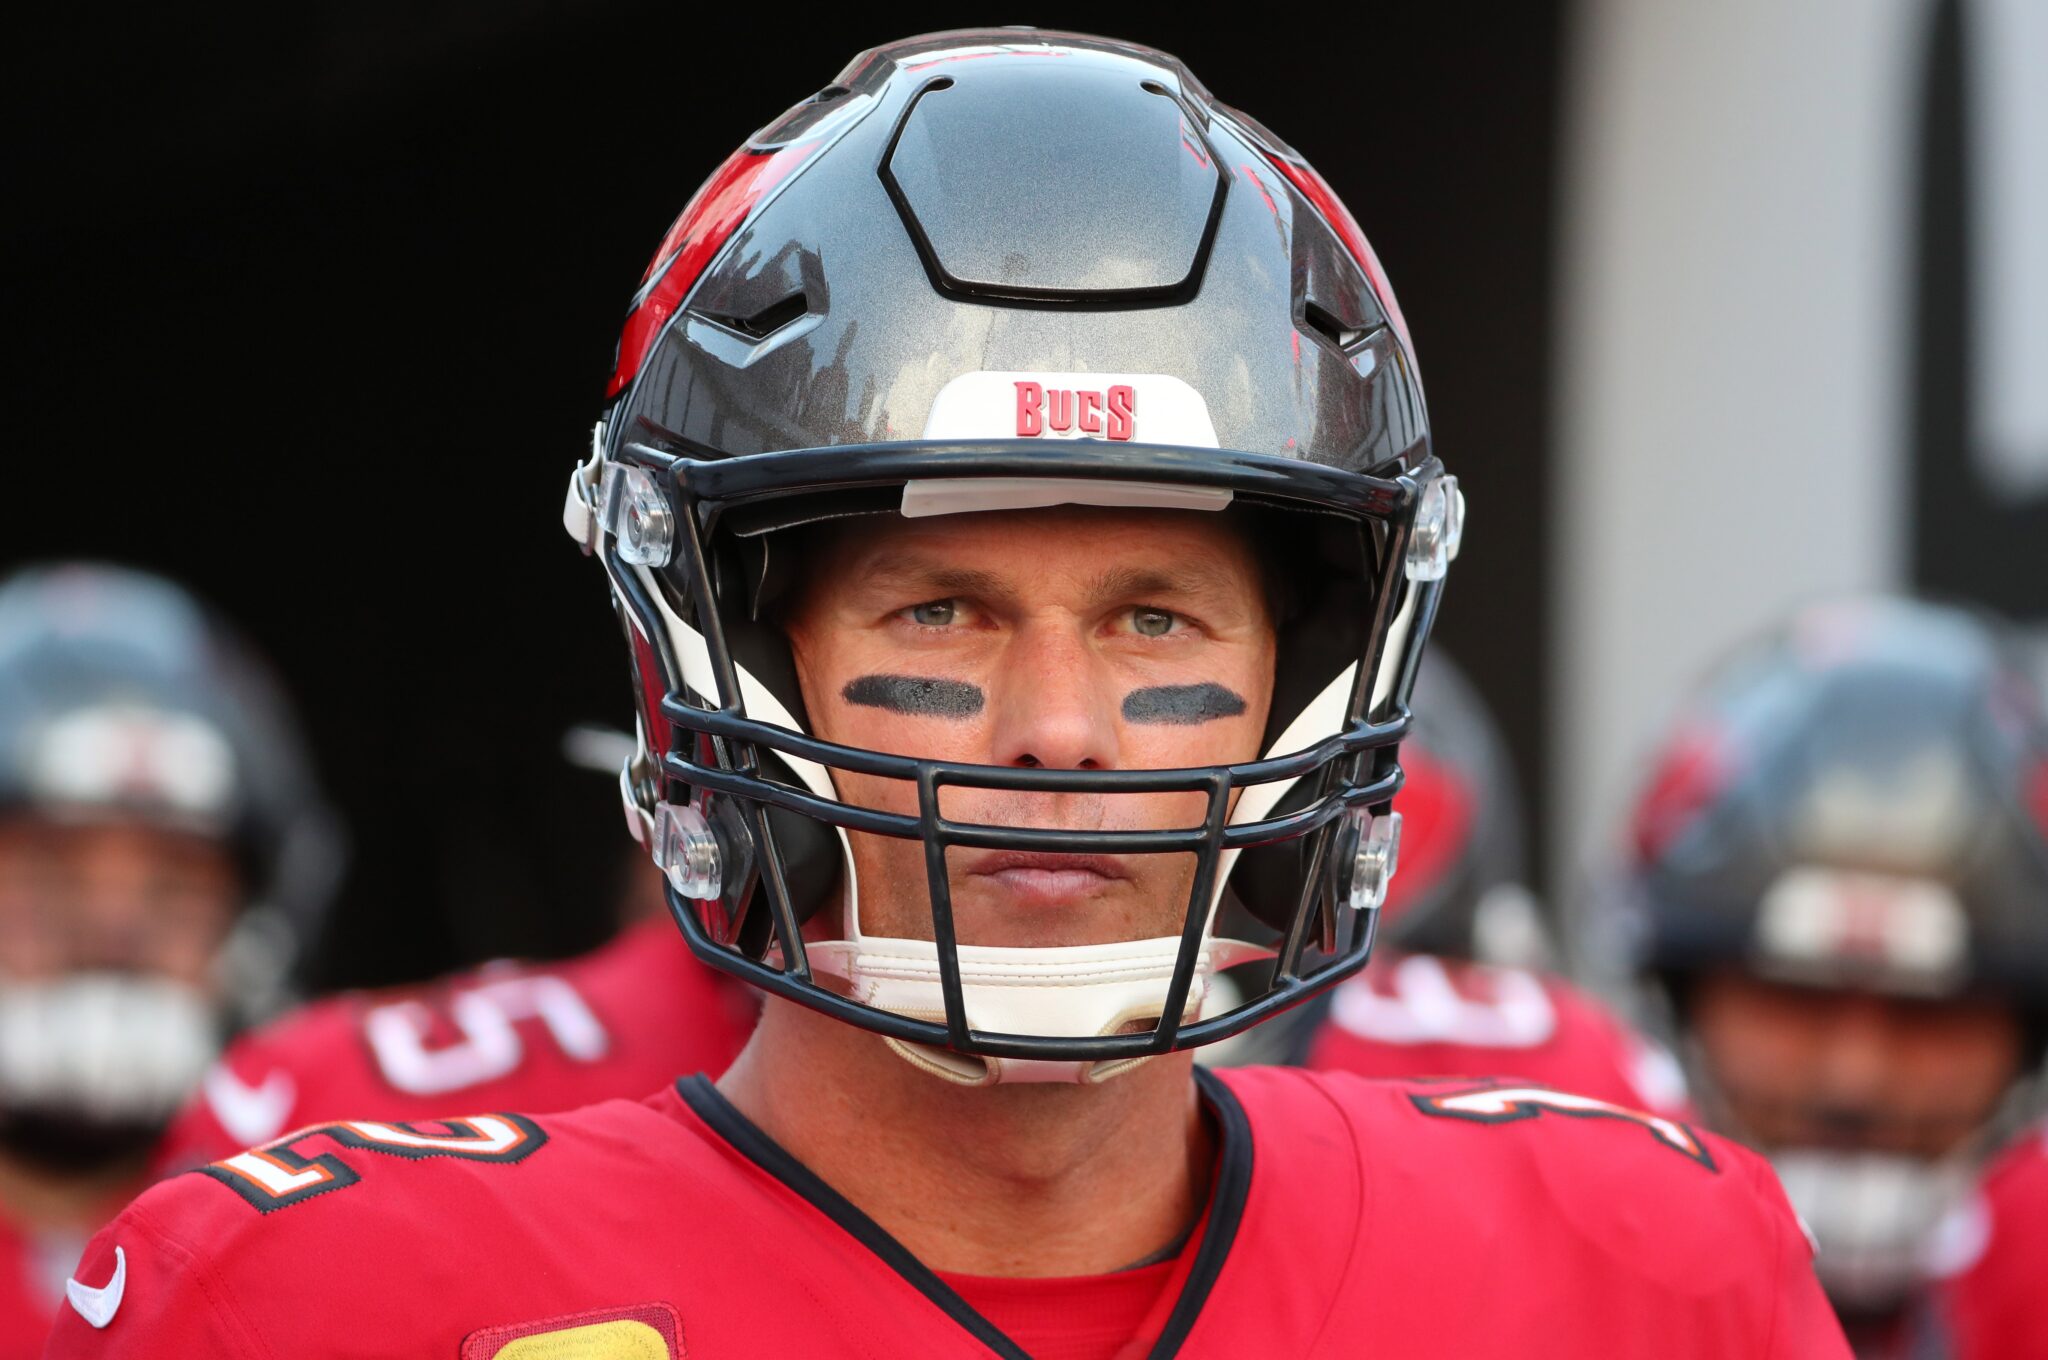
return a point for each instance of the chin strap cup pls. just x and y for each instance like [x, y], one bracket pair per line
[1076, 991]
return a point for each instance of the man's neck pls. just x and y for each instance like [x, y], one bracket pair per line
[1027, 1180]
[37, 1200]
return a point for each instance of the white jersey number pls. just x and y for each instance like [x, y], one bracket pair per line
[411, 1044]
[1422, 1002]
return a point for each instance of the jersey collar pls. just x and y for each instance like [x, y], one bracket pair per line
[1226, 1210]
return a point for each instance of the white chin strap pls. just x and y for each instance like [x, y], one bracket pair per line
[1076, 991]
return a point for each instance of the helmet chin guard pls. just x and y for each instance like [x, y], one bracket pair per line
[1208, 333]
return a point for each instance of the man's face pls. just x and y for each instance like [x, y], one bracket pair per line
[1055, 639]
[1815, 1068]
[116, 896]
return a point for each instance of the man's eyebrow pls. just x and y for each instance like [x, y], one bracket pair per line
[1191, 578]
[1194, 577]
[912, 569]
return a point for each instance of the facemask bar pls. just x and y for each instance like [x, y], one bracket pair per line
[722, 753]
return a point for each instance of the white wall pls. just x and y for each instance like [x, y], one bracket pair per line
[1734, 285]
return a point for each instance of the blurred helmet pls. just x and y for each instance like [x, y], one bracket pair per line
[1856, 802]
[122, 700]
[997, 270]
[1462, 889]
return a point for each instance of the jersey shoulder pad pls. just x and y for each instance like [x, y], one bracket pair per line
[1494, 1143]
[310, 1225]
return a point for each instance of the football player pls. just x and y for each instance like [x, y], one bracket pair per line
[1017, 497]
[1439, 997]
[161, 842]
[1838, 893]
[509, 1035]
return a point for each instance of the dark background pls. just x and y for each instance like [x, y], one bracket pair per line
[314, 313]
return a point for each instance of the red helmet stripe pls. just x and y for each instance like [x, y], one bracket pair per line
[707, 222]
[1316, 190]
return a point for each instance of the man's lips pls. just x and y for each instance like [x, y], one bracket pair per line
[1048, 878]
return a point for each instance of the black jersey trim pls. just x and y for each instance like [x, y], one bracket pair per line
[1226, 1211]
[757, 1147]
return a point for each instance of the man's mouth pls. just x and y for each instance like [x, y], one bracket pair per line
[1048, 879]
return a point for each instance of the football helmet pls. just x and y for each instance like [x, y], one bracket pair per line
[1855, 803]
[1463, 888]
[122, 700]
[998, 270]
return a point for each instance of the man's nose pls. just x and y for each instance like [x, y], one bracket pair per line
[1857, 1060]
[1051, 703]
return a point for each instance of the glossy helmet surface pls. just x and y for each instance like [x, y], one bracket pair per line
[995, 270]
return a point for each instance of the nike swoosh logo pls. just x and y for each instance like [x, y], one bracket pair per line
[250, 1114]
[98, 1306]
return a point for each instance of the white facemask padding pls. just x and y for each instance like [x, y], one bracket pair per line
[1079, 991]
[106, 1048]
[1873, 1215]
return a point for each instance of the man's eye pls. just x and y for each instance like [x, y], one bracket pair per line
[933, 613]
[1151, 622]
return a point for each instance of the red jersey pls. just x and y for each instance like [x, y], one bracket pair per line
[33, 1268]
[1991, 1302]
[30, 1291]
[1346, 1218]
[1417, 1015]
[615, 1022]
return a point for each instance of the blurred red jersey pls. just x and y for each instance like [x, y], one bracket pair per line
[1417, 1015]
[27, 1303]
[1991, 1305]
[33, 1267]
[1347, 1217]
[618, 1021]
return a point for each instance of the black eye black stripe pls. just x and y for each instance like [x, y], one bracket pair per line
[1182, 705]
[917, 696]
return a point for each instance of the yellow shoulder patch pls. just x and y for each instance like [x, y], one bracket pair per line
[649, 1331]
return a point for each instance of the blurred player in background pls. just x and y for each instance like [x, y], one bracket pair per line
[1451, 989]
[1838, 895]
[162, 847]
[617, 1021]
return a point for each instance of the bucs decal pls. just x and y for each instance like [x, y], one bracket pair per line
[1079, 412]
[1511, 1104]
[278, 1174]
[1150, 408]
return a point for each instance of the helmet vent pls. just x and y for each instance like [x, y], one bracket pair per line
[1050, 184]
[1314, 318]
[768, 320]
